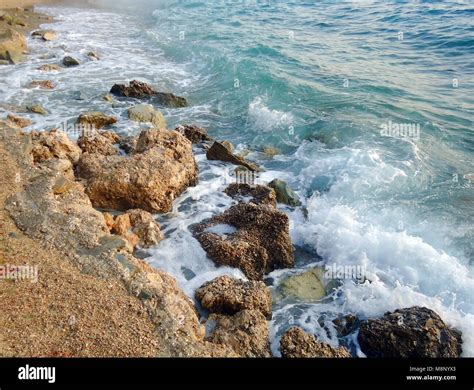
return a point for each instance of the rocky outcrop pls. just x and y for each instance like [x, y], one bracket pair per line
[223, 152]
[69, 61]
[99, 142]
[147, 113]
[161, 167]
[296, 343]
[66, 222]
[257, 194]
[36, 109]
[245, 332]
[284, 193]
[254, 238]
[194, 133]
[415, 332]
[53, 144]
[226, 295]
[96, 120]
[12, 46]
[139, 90]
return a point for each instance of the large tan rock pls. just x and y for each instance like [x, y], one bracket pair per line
[226, 295]
[147, 113]
[161, 167]
[296, 343]
[254, 238]
[12, 46]
[54, 144]
[246, 332]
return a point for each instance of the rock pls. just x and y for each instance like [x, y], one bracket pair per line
[69, 61]
[108, 98]
[18, 122]
[99, 142]
[296, 343]
[139, 90]
[246, 332]
[54, 144]
[147, 113]
[128, 144]
[49, 68]
[136, 89]
[43, 84]
[222, 152]
[37, 109]
[93, 56]
[415, 332]
[62, 185]
[45, 35]
[161, 167]
[167, 99]
[252, 193]
[96, 119]
[145, 227]
[193, 133]
[12, 46]
[345, 324]
[122, 227]
[225, 295]
[306, 286]
[284, 193]
[258, 241]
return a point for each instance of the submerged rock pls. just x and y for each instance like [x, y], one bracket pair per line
[96, 119]
[222, 152]
[225, 295]
[147, 113]
[296, 343]
[257, 194]
[259, 244]
[306, 286]
[193, 133]
[161, 167]
[53, 144]
[49, 68]
[12, 46]
[69, 61]
[100, 142]
[171, 100]
[415, 332]
[37, 109]
[284, 193]
[246, 332]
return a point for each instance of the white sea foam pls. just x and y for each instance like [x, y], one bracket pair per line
[266, 119]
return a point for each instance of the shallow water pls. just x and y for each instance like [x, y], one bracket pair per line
[317, 82]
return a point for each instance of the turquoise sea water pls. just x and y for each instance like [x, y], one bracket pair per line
[319, 83]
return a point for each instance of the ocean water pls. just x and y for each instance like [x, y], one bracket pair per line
[322, 84]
